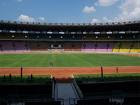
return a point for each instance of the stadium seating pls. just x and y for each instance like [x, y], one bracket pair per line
[72, 46]
[135, 48]
[49, 102]
[88, 47]
[7, 46]
[102, 47]
[93, 102]
[116, 47]
[3, 103]
[125, 47]
[110, 89]
[67, 47]
[109, 47]
[27, 90]
[132, 101]
[106, 89]
[97, 47]
[20, 46]
[105, 47]
[44, 103]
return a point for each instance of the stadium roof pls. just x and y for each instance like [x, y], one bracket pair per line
[71, 24]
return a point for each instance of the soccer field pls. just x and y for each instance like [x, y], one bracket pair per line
[67, 60]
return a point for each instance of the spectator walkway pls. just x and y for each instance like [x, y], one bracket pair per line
[65, 91]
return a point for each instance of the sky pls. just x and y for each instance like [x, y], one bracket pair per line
[70, 11]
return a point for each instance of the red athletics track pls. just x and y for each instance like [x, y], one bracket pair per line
[65, 72]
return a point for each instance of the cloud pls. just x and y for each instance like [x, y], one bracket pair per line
[130, 10]
[105, 19]
[89, 9]
[106, 2]
[26, 18]
[102, 20]
[41, 19]
[94, 20]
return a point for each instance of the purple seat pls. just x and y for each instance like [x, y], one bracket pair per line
[97, 47]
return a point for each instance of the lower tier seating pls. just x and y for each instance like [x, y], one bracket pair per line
[116, 47]
[135, 48]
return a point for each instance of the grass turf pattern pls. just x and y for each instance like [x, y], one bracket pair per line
[67, 60]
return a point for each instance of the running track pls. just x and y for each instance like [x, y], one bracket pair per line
[66, 72]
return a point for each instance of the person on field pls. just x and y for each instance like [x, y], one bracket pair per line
[51, 64]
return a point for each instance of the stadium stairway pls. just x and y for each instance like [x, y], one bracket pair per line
[65, 91]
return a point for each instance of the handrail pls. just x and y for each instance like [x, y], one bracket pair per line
[77, 89]
[53, 87]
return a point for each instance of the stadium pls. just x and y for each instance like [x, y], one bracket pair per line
[69, 64]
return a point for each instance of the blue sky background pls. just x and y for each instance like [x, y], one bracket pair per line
[67, 11]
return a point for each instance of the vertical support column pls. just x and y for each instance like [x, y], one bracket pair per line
[102, 73]
[21, 72]
[117, 70]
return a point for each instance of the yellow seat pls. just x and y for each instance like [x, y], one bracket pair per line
[116, 47]
[125, 47]
[135, 48]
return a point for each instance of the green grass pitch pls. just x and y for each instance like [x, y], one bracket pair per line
[67, 60]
